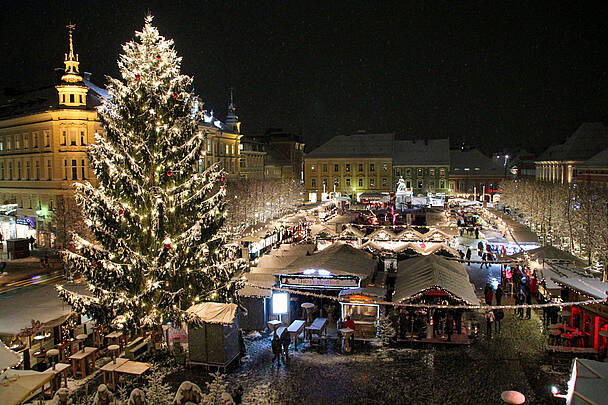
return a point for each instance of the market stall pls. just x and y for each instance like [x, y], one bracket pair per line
[16, 386]
[434, 279]
[358, 304]
[588, 383]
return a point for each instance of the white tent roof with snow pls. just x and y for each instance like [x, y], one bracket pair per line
[339, 259]
[8, 358]
[40, 303]
[17, 386]
[549, 253]
[214, 312]
[588, 383]
[417, 275]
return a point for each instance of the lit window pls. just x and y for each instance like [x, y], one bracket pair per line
[312, 168]
[372, 167]
[336, 167]
[372, 182]
[347, 167]
[313, 182]
[360, 182]
[348, 181]
[360, 167]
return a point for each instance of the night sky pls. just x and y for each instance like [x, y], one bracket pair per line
[492, 74]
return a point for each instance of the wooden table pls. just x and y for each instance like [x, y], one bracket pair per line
[346, 334]
[295, 329]
[116, 338]
[273, 325]
[82, 358]
[109, 378]
[318, 327]
[59, 371]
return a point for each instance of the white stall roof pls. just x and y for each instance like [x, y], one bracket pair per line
[8, 358]
[423, 273]
[339, 259]
[259, 279]
[590, 383]
[214, 312]
[40, 303]
[18, 385]
[548, 253]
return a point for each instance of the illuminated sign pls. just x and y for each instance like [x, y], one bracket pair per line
[321, 282]
[279, 303]
[29, 221]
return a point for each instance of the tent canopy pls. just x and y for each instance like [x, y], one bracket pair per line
[259, 279]
[8, 358]
[590, 383]
[39, 303]
[214, 312]
[423, 273]
[339, 259]
[549, 253]
[18, 385]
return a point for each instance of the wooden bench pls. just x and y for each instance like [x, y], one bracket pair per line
[136, 348]
[295, 329]
[318, 328]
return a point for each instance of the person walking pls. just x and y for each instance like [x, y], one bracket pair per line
[479, 248]
[476, 233]
[285, 341]
[498, 294]
[276, 348]
[468, 255]
[529, 302]
[449, 325]
[498, 315]
[489, 321]
[488, 292]
[519, 300]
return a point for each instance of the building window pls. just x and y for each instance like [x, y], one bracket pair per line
[1, 144]
[384, 181]
[408, 184]
[347, 167]
[17, 142]
[372, 167]
[65, 169]
[72, 137]
[2, 170]
[325, 167]
[313, 168]
[420, 171]
[420, 183]
[10, 170]
[442, 172]
[72, 98]
[408, 172]
[432, 172]
[34, 139]
[18, 170]
[47, 136]
[82, 140]
[208, 145]
[26, 141]
[37, 170]
[227, 149]
[360, 182]
[64, 136]
[74, 170]
[336, 181]
[82, 169]
[8, 143]
[360, 167]
[313, 182]
[336, 168]
[348, 181]
[49, 169]
[372, 182]
[27, 170]
[442, 183]
[232, 149]
[385, 166]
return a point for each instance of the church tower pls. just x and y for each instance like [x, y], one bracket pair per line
[72, 91]
[232, 121]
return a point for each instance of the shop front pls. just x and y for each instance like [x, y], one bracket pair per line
[358, 304]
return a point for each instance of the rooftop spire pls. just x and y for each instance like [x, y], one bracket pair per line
[232, 121]
[71, 61]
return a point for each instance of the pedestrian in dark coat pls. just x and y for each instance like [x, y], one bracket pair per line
[479, 248]
[528, 301]
[489, 321]
[498, 294]
[276, 348]
[468, 256]
[498, 315]
[476, 233]
[285, 341]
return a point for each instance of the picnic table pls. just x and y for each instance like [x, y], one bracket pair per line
[81, 361]
[318, 327]
[117, 338]
[112, 370]
[295, 329]
[272, 325]
[60, 371]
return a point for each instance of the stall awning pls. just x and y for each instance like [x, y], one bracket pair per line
[214, 312]
[18, 385]
[417, 275]
[549, 253]
[264, 280]
[39, 303]
[339, 259]
[8, 358]
[588, 383]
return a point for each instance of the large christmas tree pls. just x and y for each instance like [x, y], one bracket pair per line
[155, 218]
